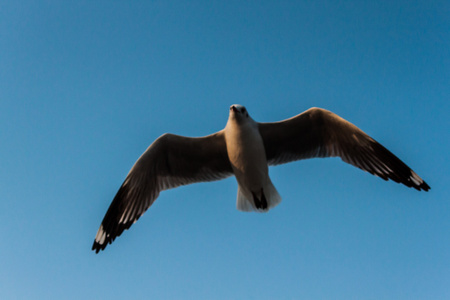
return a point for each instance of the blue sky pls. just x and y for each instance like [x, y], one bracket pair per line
[86, 86]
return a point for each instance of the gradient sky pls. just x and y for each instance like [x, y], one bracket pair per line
[86, 86]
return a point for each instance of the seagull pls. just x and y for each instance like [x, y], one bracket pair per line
[245, 149]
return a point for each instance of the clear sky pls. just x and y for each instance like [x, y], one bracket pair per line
[86, 86]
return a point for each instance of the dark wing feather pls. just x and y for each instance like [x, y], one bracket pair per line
[169, 162]
[321, 133]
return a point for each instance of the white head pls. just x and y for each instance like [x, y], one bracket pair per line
[239, 113]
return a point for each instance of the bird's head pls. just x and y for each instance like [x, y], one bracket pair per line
[238, 113]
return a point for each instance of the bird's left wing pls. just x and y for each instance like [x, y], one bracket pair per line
[170, 161]
[320, 133]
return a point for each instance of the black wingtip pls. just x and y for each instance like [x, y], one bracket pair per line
[419, 186]
[424, 186]
[416, 182]
[97, 247]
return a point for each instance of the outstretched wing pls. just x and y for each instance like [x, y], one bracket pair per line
[321, 133]
[170, 161]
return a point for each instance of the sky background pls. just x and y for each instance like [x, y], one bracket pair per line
[86, 86]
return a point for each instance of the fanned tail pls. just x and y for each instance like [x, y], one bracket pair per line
[261, 201]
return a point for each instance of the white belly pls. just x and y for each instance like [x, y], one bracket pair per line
[248, 158]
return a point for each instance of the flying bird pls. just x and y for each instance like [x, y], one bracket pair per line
[245, 149]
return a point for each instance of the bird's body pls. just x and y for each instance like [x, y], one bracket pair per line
[247, 156]
[245, 149]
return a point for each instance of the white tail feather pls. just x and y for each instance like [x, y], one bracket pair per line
[246, 203]
[243, 203]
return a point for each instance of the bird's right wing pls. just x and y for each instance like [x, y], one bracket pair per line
[170, 161]
[321, 133]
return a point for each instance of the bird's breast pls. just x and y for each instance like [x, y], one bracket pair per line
[247, 155]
